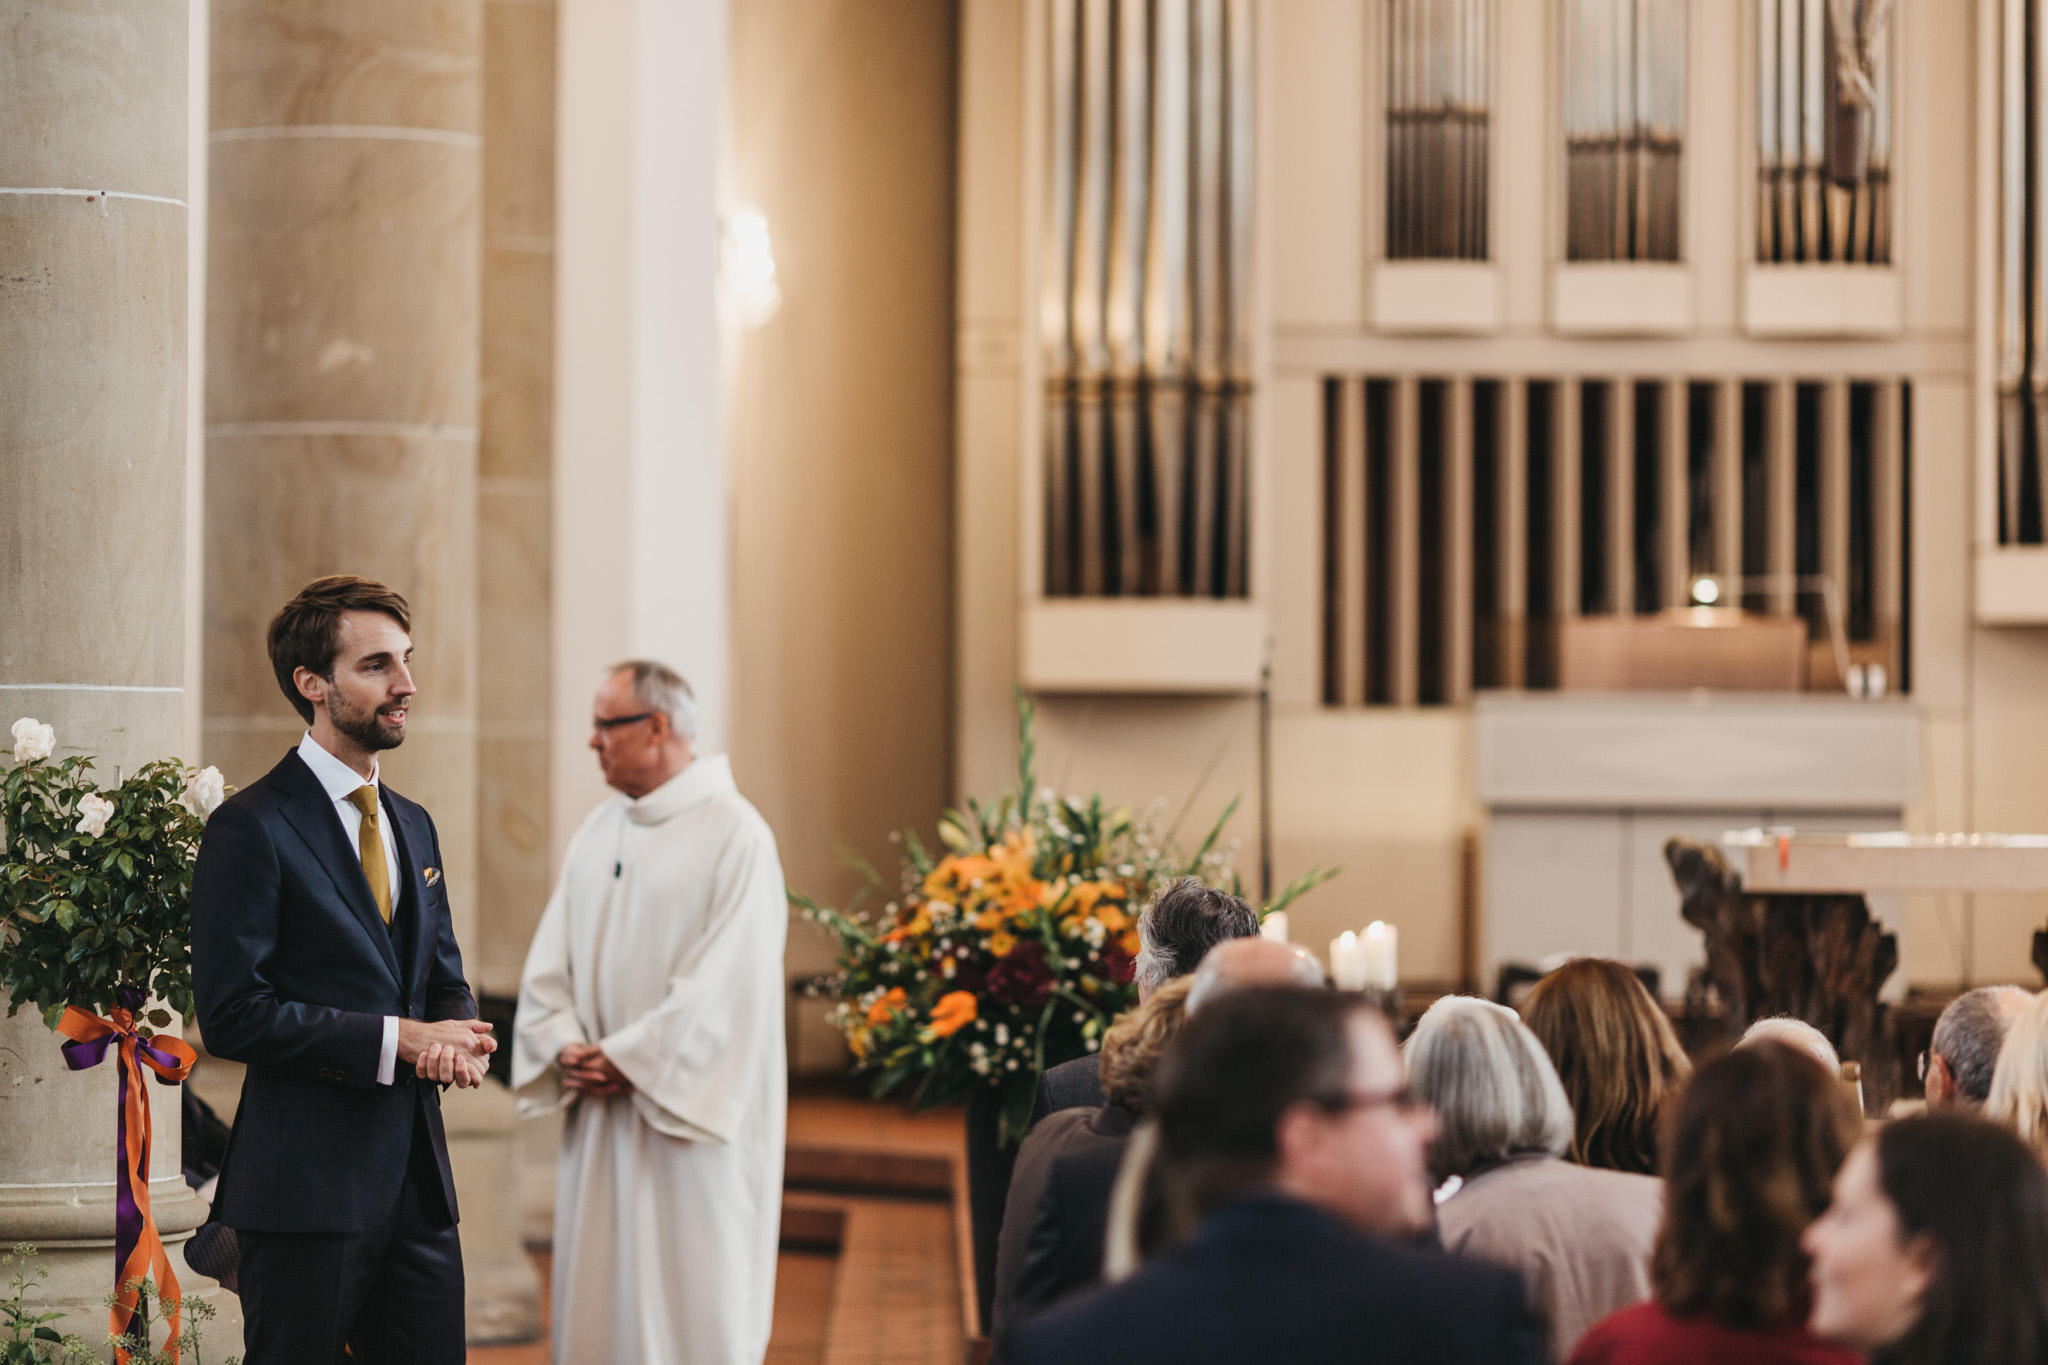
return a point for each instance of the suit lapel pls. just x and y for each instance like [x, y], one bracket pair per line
[413, 844]
[312, 814]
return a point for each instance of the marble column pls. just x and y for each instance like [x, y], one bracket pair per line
[342, 362]
[93, 230]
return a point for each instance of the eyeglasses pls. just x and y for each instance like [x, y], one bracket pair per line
[605, 725]
[1403, 1101]
[1923, 1068]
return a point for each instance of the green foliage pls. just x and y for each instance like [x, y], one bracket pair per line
[82, 915]
[195, 1314]
[26, 1337]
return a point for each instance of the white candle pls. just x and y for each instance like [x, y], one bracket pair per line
[1380, 955]
[1275, 927]
[1347, 962]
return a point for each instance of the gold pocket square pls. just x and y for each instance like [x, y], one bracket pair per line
[433, 876]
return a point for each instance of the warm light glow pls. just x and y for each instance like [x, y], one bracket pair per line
[1706, 591]
[747, 268]
[1377, 929]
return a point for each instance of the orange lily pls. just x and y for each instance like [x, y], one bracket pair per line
[955, 1011]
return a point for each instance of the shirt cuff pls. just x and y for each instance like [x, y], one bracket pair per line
[387, 1056]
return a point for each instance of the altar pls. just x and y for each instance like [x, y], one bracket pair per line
[1581, 790]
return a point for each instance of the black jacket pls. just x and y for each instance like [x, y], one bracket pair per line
[294, 972]
[1070, 1085]
[1057, 1220]
[1268, 1278]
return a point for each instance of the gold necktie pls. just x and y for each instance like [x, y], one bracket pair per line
[370, 844]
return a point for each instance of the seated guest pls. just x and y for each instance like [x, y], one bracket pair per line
[2019, 1079]
[1058, 1207]
[1794, 1033]
[1138, 1221]
[1957, 1065]
[1299, 1157]
[1174, 933]
[1755, 1140]
[1251, 962]
[1935, 1250]
[1617, 1054]
[1580, 1237]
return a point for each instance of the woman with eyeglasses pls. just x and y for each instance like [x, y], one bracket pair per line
[1579, 1236]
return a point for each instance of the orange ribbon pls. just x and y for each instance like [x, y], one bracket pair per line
[138, 1249]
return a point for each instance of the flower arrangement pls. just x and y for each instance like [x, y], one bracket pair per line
[96, 885]
[1013, 949]
[27, 1338]
[95, 925]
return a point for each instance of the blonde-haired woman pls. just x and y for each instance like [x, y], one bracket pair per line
[2019, 1083]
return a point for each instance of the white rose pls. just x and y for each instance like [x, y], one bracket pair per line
[33, 739]
[203, 794]
[92, 814]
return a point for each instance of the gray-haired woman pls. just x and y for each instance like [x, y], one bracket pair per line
[1581, 1236]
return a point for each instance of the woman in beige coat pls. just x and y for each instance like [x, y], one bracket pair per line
[1580, 1236]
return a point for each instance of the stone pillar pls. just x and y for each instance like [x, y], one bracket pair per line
[342, 360]
[93, 230]
[514, 535]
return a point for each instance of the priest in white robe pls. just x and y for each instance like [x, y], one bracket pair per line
[652, 1008]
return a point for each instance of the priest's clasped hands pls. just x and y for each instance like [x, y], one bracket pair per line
[587, 1071]
[448, 1050]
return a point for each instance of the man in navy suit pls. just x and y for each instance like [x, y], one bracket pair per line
[1288, 1135]
[324, 958]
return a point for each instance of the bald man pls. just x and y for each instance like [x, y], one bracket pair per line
[1251, 962]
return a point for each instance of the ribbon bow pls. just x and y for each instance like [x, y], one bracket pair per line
[138, 1250]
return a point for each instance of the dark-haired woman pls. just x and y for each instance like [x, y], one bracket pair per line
[1935, 1250]
[1756, 1139]
[1617, 1054]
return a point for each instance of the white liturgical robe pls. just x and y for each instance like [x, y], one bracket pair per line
[663, 944]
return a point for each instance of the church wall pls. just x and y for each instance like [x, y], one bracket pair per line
[842, 119]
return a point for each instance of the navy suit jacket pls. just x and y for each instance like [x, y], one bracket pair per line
[294, 972]
[1268, 1278]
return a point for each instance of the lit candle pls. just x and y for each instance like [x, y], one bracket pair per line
[1347, 962]
[1275, 927]
[1380, 955]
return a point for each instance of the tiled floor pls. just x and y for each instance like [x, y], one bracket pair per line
[891, 1293]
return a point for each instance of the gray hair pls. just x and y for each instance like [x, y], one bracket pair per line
[1493, 1087]
[1798, 1035]
[1968, 1036]
[658, 687]
[1185, 921]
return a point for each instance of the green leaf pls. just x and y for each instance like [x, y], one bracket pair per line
[52, 1017]
[160, 1017]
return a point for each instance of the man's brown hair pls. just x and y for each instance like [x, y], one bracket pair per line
[307, 632]
[1617, 1054]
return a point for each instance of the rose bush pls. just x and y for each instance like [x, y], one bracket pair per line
[96, 883]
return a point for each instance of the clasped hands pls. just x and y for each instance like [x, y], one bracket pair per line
[447, 1050]
[587, 1071]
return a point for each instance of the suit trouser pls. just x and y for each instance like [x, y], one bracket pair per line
[392, 1294]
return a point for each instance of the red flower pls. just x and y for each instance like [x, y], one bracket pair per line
[1023, 978]
[1118, 964]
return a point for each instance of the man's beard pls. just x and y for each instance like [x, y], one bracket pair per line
[360, 724]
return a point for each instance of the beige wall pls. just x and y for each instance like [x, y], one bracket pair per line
[840, 411]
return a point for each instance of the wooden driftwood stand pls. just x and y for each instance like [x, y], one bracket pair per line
[1816, 956]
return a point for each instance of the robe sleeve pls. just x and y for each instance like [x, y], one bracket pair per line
[546, 1022]
[695, 1059]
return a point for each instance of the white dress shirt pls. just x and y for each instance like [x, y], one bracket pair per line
[339, 780]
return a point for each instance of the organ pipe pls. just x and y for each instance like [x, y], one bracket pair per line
[1147, 251]
[1439, 78]
[1823, 131]
[1624, 128]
